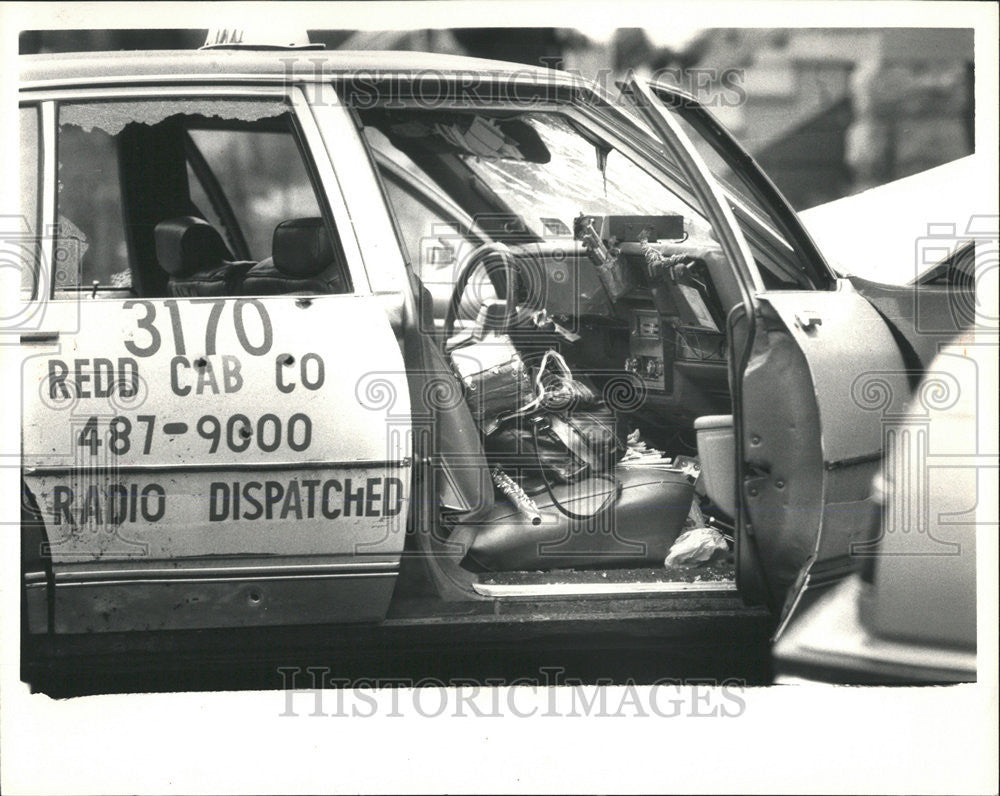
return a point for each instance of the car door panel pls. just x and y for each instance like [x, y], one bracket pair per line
[218, 462]
[782, 461]
[823, 369]
[808, 491]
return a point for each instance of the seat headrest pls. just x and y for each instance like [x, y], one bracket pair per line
[301, 247]
[187, 245]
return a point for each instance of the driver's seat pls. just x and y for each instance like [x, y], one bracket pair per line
[637, 531]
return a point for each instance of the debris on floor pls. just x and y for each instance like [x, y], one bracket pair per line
[716, 571]
[639, 452]
[697, 546]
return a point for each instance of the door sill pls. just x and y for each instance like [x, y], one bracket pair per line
[604, 583]
[547, 590]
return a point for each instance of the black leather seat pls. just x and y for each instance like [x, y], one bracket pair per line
[646, 520]
[302, 254]
[193, 253]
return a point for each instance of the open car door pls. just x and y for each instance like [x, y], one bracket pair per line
[822, 376]
[814, 375]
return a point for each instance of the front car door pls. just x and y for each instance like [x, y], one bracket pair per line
[815, 371]
[202, 443]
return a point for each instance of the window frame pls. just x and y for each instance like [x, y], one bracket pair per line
[318, 164]
[431, 197]
[199, 167]
[35, 238]
[786, 228]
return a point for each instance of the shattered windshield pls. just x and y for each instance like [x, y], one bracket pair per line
[580, 177]
[540, 167]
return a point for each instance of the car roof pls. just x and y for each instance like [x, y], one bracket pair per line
[127, 66]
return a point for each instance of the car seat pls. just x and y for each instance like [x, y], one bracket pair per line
[194, 255]
[302, 254]
[649, 515]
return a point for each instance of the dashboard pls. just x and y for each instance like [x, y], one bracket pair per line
[657, 317]
[655, 343]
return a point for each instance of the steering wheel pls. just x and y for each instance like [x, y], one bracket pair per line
[489, 254]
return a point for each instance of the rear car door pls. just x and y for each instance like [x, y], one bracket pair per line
[815, 372]
[203, 444]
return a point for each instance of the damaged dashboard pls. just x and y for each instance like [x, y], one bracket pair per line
[651, 282]
[628, 294]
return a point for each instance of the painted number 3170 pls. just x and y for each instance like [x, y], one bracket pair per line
[153, 338]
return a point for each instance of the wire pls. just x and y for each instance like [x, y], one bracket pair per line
[540, 390]
[608, 502]
[696, 349]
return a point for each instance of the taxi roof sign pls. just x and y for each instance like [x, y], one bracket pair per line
[259, 38]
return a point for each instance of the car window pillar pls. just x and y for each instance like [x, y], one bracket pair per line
[354, 193]
[47, 200]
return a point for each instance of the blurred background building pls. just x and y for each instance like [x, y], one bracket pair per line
[827, 112]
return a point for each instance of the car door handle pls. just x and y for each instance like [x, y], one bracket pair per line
[807, 319]
[39, 337]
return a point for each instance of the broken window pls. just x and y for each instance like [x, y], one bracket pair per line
[539, 169]
[89, 211]
[124, 167]
[577, 178]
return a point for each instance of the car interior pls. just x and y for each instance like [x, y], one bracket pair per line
[540, 245]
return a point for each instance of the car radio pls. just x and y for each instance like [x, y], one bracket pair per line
[645, 357]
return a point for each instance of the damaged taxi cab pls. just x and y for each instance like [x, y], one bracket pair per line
[312, 329]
